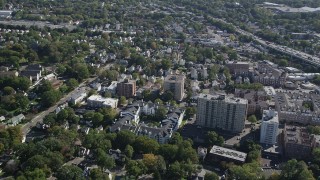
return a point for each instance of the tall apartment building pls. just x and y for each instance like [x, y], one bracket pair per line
[222, 112]
[127, 88]
[269, 127]
[175, 84]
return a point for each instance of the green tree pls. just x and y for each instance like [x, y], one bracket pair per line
[175, 171]
[190, 111]
[104, 160]
[36, 174]
[145, 145]
[128, 151]
[211, 176]
[97, 174]
[123, 100]
[8, 90]
[72, 83]
[252, 119]
[49, 98]
[70, 172]
[296, 170]
[283, 62]
[247, 171]
[124, 138]
[135, 168]
[161, 113]
[212, 138]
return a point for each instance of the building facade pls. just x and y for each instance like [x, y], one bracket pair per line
[269, 127]
[175, 84]
[127, 88]
[222, 112]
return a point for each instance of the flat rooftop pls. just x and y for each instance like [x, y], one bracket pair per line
[228, 153]
[175, 78]
[225, 98]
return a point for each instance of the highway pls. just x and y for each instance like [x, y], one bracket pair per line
[314, 60]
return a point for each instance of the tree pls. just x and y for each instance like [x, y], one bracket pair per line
[150, 161]
[144, 144]
[169, 152]
[8, 90]
[81, 71]
[70, 172]
[161, 113]
[190, 111]
[167, 96]
[283, 62]
[296, 170]
[252, 119]
[109, 113]
[97, 119]
[211, 176]
[124, 138]
[22, 101]
[123, 100]
[98, 174]
[72, 83]
[246, 171]
[104, 160]
[125, 52]
[37, 174]
[316, 155]
[49, 98]
[135, 168]
[175, 171]
[128, 151]
[212, 138]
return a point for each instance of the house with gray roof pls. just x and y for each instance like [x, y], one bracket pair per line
[15, 120]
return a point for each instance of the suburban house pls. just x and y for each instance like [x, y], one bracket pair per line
[15, 120]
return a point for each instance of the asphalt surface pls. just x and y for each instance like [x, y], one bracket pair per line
[39, 117]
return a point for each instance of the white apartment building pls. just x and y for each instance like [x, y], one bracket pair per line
[97, 101]
[269, 127]
[222, 112]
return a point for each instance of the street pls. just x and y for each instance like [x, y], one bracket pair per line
[39, 117]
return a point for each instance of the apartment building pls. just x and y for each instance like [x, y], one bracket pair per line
[97, 101]
[298, 143]
[127, 88]
[269, 127]
[268, 74]
[238, 68]
[222, 112]
[175, 84]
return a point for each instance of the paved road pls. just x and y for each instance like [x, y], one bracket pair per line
[39, 117]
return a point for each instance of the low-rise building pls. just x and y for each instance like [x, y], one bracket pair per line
[219, 154]
[78, 97]
[15, 120]
[97, 101]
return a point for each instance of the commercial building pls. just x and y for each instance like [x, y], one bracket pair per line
[219, 154]
[97, 101]
[222, 112]
[269, 127]
[175, 84]
[127, 88]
